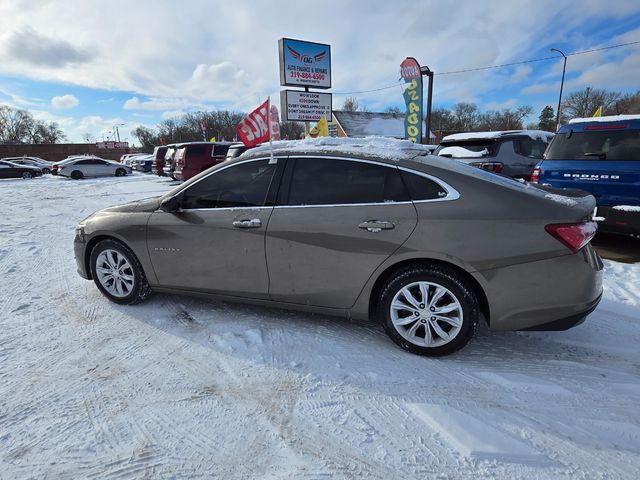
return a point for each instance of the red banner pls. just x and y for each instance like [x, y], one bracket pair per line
[254, 129]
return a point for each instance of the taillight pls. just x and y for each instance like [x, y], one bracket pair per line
[495, 167]
[535, 175]
[574, 236]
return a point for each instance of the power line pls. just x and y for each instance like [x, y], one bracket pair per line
[466, 70]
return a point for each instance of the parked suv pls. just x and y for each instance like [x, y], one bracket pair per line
[513, 153]
[195, 157]
[157, 166]
[602, 156]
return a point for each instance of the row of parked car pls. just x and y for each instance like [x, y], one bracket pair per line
[75, 167]
[600, 155]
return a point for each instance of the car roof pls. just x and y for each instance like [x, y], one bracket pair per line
[622, 122]
[498, 134]
[381, 148]
[186, 144]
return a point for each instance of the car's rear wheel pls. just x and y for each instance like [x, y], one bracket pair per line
[27, 175]
[77, 175]
[46, 171]
[428, 310]
[120, 172]
[117, 273]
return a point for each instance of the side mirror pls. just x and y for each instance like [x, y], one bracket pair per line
[170, 204]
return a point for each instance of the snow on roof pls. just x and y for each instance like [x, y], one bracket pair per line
[610, 118]
[365, 124]
[534, 134]
[461, 152]
[381, 147]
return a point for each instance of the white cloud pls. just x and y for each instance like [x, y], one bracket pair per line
[134, 103]
[510, 103]
[65, 102]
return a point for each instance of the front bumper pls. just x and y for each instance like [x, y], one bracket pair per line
[79, 251]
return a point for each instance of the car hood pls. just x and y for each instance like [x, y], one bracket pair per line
[145, 205]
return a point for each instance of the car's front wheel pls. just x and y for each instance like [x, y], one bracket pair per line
[117, 273]
[428, 310]
[77, 175]
[46, 171]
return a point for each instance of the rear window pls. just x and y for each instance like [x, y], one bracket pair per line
[219, 150]
[595, 145]
[528, 147]
[488, 148]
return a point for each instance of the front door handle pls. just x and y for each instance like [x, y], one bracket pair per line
[376, 225]
[252, 223]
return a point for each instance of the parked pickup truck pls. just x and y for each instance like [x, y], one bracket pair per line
[602, 156]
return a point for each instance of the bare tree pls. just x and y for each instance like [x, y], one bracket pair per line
[584, 103]
[19, 126]
[466, 115]
[350, 104]
[88, 137]
[291, 130]
[395, 110]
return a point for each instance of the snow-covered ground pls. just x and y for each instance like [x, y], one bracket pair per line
[185, 388]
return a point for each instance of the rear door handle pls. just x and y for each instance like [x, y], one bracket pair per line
[376, 225]
[252, 223]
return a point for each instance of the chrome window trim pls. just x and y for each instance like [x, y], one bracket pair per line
[452, 193]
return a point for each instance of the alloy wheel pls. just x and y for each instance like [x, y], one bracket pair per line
[426, 314]
[115, 273]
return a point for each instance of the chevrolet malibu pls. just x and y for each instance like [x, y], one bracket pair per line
[370, 228]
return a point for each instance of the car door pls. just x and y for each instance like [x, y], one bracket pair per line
[215, 242]
[335, 222]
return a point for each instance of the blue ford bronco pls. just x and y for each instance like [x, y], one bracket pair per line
[602, 156]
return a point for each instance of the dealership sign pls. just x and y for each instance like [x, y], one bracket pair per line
[298, 106]
[304, 64]
[110, 145]
[410, 73]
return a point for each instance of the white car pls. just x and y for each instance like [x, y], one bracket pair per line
[92, 167]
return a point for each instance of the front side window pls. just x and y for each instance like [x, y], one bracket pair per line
[318, 181]
[242, 185]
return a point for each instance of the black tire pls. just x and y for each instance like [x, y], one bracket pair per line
[458, 287]
[46, 171]
[27, 175]
[120, 172]
[77, 175]
[140, 290]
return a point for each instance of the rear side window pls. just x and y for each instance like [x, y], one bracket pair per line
[528, 147]
[595, 145]
[316, 181]
[219, 150]
[421, 188]
[196, 150]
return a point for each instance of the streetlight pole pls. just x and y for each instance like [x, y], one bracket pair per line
[426, 71]
[116, 132]
[564, 68]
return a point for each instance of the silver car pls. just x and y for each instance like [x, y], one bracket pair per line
[91, 167]
[424, 245]
[43, 165]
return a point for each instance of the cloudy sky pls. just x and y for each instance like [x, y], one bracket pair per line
[90, 65]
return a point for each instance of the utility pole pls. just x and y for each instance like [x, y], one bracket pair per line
[564, 67]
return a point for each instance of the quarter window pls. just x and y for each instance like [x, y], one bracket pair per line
[422, 188]
[329, 182]
[242, 185]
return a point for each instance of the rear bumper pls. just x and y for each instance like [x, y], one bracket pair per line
[567, 322]
[618, 221]
[552, 293]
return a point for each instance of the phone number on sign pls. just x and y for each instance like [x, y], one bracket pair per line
[312, 76]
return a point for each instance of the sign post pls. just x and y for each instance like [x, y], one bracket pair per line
[308, 65]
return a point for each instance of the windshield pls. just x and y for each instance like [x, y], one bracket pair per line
[595, 145]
